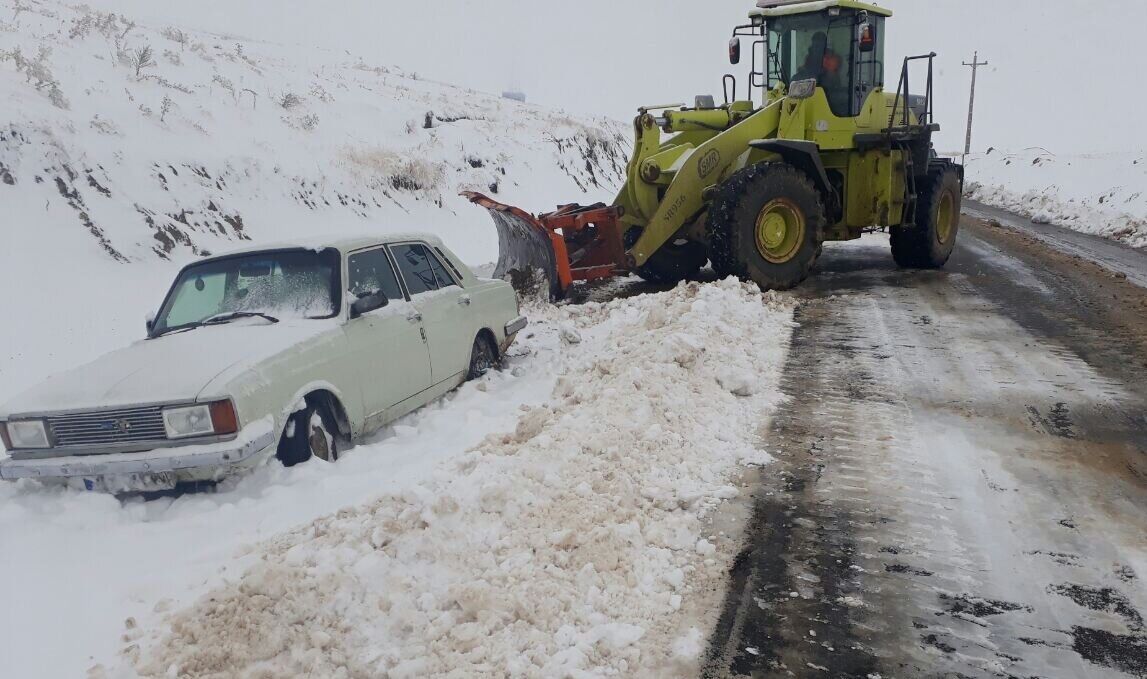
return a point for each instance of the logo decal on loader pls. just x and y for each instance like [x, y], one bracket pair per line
[708, 163]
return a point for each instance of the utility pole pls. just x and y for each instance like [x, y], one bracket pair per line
[976, 64]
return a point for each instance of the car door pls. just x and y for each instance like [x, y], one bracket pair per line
[444, 305]
[388, 344]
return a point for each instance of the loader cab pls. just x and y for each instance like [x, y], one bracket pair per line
[841, 47]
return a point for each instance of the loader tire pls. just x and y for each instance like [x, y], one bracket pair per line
[674, 262]
[767, 225]
[929, 243]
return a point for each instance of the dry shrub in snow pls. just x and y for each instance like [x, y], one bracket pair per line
[142, 59]
[402, 172]
[307, 123]
[289, 101]
[226, 84]
[38, 73]
[177, 36]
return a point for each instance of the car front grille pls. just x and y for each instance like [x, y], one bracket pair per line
[128, 425]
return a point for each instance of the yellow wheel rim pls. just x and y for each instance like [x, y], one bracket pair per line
[780, 231]
[945, 217]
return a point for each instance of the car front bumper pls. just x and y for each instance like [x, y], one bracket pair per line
[198, 462]
[515, 326]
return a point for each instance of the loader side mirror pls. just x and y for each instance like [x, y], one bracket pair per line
[735, 51]
[866, 37]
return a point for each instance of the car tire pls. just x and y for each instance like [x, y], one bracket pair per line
[310, 433]
[483, 357]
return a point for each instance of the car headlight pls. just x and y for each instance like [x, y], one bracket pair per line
[217, 418]
[190, 421]
[26, 434]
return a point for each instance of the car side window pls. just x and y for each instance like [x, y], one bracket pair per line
[445, 280]
[370, 271]
[450, 263]
[417, 271]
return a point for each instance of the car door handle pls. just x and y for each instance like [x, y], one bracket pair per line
[414, 317]
[464, 300]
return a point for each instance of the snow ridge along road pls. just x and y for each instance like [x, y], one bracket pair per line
[573, 546]
[961, 485]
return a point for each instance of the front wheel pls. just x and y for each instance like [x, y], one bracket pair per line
[767, 225]
[310, 433]
[929, 244]
[676, 261]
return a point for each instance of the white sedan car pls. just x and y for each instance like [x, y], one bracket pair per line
[290, 352]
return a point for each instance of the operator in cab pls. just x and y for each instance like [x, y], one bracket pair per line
[822, 64]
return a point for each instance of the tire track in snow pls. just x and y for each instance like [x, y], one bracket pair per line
[954, 481]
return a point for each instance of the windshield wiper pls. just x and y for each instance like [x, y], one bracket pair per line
[227, 318]
[215, 320]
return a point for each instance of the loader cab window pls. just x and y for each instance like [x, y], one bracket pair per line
[826, 48]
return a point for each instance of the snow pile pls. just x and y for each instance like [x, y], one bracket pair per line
[1102, 194]
[568, 547]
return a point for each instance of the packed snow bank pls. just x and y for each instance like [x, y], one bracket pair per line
[1102, 194]
[568, 547]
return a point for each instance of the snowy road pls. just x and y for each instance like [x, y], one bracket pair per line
[1108, 253]
[961, 487]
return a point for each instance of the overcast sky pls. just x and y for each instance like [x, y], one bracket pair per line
[1050, 60]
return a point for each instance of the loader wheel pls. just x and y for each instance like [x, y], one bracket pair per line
[929, 243]
[674, 262]
[767, 225]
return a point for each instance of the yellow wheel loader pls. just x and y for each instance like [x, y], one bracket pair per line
[818, 150]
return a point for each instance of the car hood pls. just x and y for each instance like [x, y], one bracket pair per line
[171, 368]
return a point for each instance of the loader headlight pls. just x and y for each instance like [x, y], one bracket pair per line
[25, 434]
[217, 418]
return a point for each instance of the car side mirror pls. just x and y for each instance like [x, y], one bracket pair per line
[150, 321]
[735, 51]
[368, 303]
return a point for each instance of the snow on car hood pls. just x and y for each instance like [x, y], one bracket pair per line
[175, 367]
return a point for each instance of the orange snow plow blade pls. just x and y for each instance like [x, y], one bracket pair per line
[573, 243]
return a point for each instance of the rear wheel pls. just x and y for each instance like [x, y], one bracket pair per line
[767, 225]
[483, 357]
[929, 244]
[310, 433]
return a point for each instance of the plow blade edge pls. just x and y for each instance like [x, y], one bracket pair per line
[526, 254]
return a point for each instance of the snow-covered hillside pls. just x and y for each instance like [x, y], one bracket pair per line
[1100, 193]
[153, 141]
[127, 149]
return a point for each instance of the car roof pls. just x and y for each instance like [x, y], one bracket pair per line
[345, 243]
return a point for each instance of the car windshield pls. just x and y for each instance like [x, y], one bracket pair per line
[274, 284]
